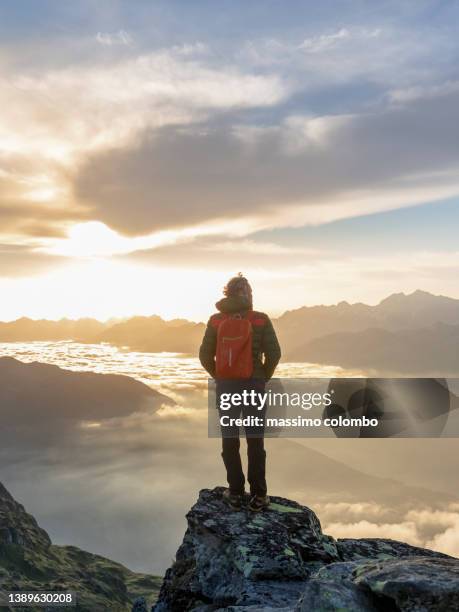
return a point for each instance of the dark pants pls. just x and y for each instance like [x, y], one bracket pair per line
[256, 453]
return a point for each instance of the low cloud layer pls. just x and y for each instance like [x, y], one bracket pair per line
[122, 488]
[428, 527]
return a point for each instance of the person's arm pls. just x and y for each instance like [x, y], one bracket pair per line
[271, 350]
[208, 349]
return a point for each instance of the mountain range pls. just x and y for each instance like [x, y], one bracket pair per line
[404, 334]
[33, 392]
[416, 333]
[431, 351]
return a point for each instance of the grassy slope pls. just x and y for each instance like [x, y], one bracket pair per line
[100, 584]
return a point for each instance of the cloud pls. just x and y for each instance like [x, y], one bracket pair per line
[303, 171]
[437, 523]
[199, 269]
[406, 95]
[225, 256]
[448, 541]
[406, 532]
[323, 42]
[121, 99]
[382, 54]
[41, 142]
[34, 199]
[320, 46]
[231, 146]
[117, 38]
[188, 49]
[25, 261]
[440, 527]
[347, 511]
[170, 123]
[184, 413]
[25, 223]
[128, 482]
[426, 527]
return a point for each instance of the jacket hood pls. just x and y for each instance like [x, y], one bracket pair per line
[233, 303]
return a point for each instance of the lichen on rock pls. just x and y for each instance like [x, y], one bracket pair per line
[281, 560]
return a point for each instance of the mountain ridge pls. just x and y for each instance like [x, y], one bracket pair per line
[431, 351]
[29, 561]
[416, 294]
[35, 391]
[304, 333]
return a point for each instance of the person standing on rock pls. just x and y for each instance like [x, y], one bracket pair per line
[240, 351]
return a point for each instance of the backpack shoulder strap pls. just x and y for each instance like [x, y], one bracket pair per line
[217, 318]
[258, 319]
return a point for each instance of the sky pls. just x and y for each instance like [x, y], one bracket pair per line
[150, 150]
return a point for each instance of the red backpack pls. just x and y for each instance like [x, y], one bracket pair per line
[233, 357]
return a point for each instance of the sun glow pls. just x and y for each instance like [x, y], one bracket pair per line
[95, 239]
[103, 288]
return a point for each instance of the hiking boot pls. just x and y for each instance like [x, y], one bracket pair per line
[258, 503]
[233, 499]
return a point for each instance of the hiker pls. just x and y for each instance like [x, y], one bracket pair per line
[240, 351]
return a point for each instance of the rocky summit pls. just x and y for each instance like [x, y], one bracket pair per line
[279, 560]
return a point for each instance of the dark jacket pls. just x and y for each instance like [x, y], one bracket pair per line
[265, 346]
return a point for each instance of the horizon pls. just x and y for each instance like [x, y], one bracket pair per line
[188, 320]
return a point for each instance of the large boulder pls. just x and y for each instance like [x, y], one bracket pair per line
[239, 558]
[279, 560]
[416, 584]
[381, 548]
